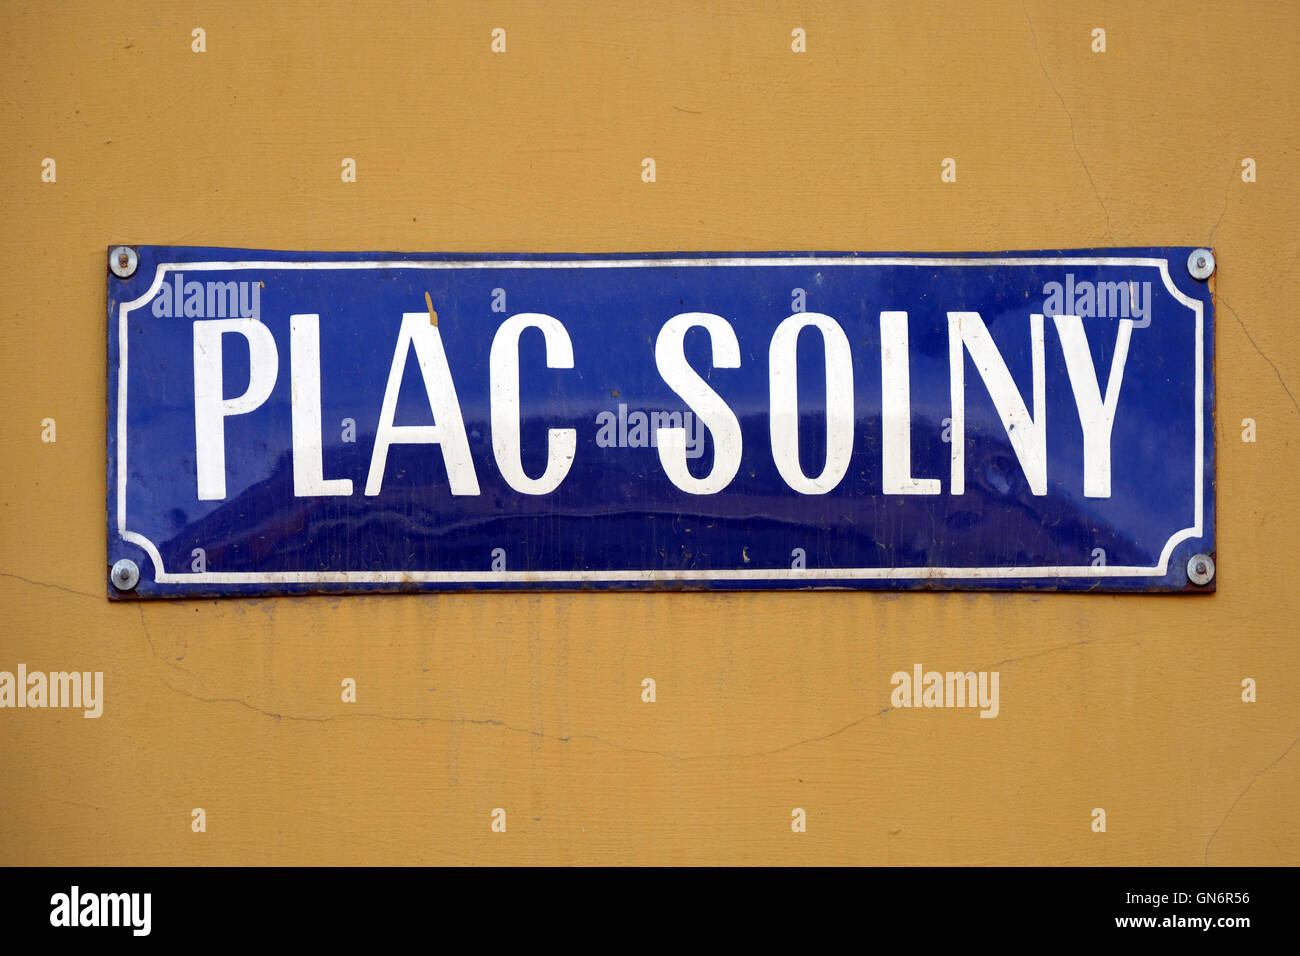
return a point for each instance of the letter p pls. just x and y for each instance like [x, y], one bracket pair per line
[211, 408]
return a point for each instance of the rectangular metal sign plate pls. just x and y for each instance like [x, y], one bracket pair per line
[316, 422]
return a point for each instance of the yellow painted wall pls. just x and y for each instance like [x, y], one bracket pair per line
[531, 702]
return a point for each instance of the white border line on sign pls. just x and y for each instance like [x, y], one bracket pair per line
[734, 574]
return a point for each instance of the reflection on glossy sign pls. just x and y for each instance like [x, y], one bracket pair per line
[303, 422]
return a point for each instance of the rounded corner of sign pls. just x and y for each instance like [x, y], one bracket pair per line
[146, 545]
[159, 273]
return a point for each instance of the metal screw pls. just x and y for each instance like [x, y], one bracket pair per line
[1200, 569]
[123, 260]
[125, 575]
[1201, 264]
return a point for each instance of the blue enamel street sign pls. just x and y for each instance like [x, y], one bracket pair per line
[313, 422]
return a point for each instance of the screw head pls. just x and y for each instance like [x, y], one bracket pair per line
[1200, 569]
[125, 575]
[122, 260]
[1201, 264]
